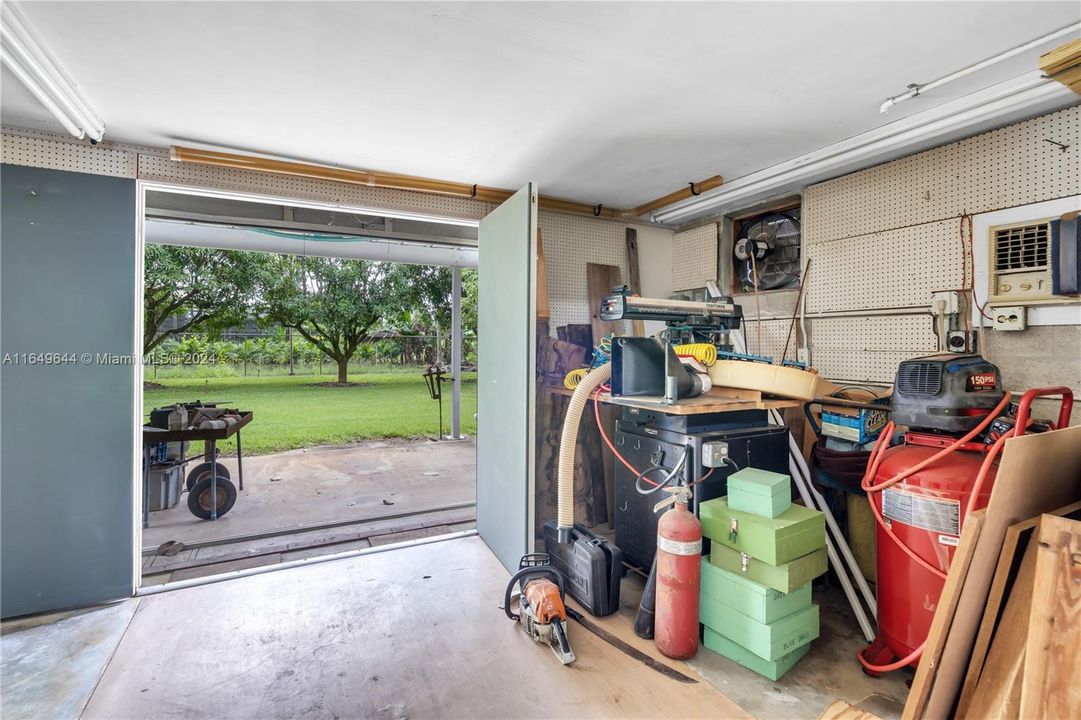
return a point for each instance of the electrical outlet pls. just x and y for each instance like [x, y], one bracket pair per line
[802, 355]
[1008, 318]
[714, 453]
[959, 341]
[950, 301]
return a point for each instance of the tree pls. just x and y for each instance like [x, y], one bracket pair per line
[207, 289]
[335, 304]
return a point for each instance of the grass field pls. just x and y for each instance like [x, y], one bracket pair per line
[292, 412]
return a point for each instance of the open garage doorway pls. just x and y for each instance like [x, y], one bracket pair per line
[309, 380]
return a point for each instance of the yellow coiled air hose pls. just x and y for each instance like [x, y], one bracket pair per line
[702, 352]
[574, 377]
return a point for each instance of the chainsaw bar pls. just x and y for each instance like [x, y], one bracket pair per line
[628, 649]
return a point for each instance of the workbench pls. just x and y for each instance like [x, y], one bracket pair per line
[715, 401]
[153, 436]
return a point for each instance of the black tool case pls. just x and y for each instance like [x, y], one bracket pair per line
[591, 566]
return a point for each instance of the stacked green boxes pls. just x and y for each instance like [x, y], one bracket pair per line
[756, 582]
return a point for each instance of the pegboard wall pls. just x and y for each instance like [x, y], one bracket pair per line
[161, 168]
[889, 236]
[1014, 165]
[35, 150]
[694, 257]
[890, 269]
[570, 242]
[869, 348]
[773, 334]
[40, 149]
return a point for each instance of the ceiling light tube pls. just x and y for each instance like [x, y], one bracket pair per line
[917, 89]
[41, 75]
[1027, 94]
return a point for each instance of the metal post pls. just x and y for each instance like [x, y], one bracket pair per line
[292, 368]
[456, 353]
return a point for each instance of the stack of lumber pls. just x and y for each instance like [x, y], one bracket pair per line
[1005, 641]
[755, 602]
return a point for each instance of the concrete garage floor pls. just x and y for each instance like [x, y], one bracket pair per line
[828, 672]
[358, 495]
[413, 632]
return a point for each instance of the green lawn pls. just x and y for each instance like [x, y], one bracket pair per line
[291, 412]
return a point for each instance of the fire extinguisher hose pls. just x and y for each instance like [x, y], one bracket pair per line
[877, 455]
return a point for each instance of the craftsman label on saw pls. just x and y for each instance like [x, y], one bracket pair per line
[922, 511]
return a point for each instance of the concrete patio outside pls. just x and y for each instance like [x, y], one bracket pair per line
[350, 494]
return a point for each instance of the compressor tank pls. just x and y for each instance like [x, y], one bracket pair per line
[926, 512]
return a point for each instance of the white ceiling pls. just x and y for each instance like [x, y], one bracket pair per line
[600, 102]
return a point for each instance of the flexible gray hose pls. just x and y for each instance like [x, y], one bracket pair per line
[569, 439]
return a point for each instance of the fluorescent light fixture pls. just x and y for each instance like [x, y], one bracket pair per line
[236, 237]
[917, 89]
[1010, 101]
[31, 63]
[157, 186]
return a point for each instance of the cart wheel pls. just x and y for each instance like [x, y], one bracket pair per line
[199, 497]
[202, 470]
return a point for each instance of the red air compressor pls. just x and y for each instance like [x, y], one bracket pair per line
[921, 490]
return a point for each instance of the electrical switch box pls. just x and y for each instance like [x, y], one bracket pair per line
[1008, 318]
[714, 453]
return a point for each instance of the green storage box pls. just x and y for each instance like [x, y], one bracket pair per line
[772, 669]
[759, 492]
[792, 534]
[785, 578]
[755, 600]
[769, 641]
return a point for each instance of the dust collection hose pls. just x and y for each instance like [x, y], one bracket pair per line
[567, 441]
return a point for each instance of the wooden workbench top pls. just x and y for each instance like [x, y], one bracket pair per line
[715, 401]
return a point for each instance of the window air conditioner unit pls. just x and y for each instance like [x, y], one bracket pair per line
[1034, 262]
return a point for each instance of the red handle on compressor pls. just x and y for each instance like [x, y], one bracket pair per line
[1064, 411]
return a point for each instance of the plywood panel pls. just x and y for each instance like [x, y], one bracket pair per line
[997, 694]
[1053, 458]
[1014, 570]
[945, 612]
[1050, 688]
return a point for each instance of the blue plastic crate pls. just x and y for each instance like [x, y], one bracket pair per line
[860, 428]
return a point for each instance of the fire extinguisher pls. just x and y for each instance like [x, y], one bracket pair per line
[679, 554]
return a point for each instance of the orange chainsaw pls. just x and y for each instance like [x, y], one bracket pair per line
[540, 604]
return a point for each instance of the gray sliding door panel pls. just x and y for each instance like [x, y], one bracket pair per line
[67, 251]
[505, 376]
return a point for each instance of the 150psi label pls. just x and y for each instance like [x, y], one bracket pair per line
[922, 511]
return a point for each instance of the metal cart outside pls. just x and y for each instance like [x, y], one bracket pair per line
[200, 486]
